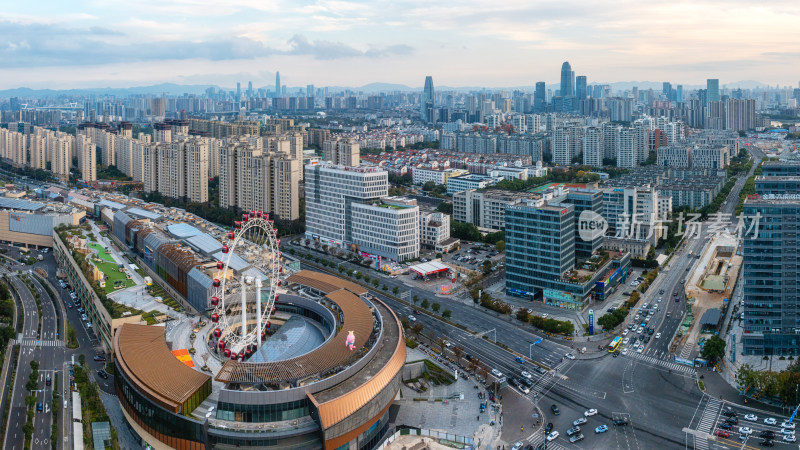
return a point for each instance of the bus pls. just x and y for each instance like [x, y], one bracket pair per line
[614, 345]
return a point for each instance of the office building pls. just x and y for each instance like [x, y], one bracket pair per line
[542, 263]
[422, 175]
[469, 181]
[580, 87]
[434, 232]
[712, 90]
[277, 84]
[427, 101]
[388, 228]
[486, 209]
[567, 81]
[539, 97]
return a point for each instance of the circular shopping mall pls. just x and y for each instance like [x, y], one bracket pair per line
[324, 375]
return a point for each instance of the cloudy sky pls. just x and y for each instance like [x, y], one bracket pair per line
[92, 43]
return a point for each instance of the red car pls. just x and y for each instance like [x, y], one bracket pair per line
[723, 433]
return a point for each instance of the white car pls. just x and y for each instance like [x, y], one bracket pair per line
[526, 375]
[640, 330]
[644, 306]
[624, 351]
[497, 373]
[570, 356]
[745, 431]
[517, 446]
[788, 425]
[658, 335]
[770, 421]
[659, 299]
[544, 316]
[636, 344]
[590, 412]
[625, 332]
[411, 318]
[636, 318]
[751, 417]
[625, 341]
[640, 349]
[552, 436]
[787, 431]
[789, 438]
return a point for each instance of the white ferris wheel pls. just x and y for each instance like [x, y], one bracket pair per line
[243, 305]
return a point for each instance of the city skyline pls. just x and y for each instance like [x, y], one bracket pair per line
[354, 44]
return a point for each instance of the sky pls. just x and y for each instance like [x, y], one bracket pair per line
[92, 43]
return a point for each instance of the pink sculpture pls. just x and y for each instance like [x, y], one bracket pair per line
[351, 341]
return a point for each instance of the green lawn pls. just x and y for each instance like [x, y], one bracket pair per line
[101, 253]
[111, 270]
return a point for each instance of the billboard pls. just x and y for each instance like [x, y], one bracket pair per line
[562, 296]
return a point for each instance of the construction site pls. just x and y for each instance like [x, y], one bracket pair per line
[708, 289]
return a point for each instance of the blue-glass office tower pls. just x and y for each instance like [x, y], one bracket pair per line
[539, 97]
[712, 90]
[567, 80]
[771, 305]
[426, 102]
[580, 87]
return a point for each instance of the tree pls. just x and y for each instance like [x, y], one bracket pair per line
[436, 307]
[375, 282]
[487, 266]
[415, 298]
[445, 207]
[395, 290]
[500, 246]
[428, 186]
[442, 343]
[713, 349]
[447, 313]
[522, 314]
[425, 303]
[458, 351]
[82, 359]
[417, 328]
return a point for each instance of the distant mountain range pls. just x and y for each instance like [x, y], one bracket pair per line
[198, 89]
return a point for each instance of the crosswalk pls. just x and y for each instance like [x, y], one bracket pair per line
[545, 381]
[660, 362]
[537, 438]
[686, 350]
[28, 342]
[707, 422]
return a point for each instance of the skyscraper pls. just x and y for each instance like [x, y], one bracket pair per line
[277, 84]
[580, 87]
[666, 89]
[238, 90]
[567, 80]
[712, 90]
[679, 96]
[539, 97]
[426, 103]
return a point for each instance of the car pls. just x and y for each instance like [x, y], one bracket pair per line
[725, 426]
[766, 434]
[745, 431]
[624, 352]
[625, 341]
[524, 389]
[636, 318]
[549, 427]
[787, 425]
[544, 316]
[625, 332]
[555, 410]
[621, 422]
[411, 318]
[517, 446]
[552, 436]
[640, 349]
[767, 443]
[570, 356]
[417, 312]
[103, 374]
[526, 374]
[732, 420]
[640, 330]
[789, 438]
[39, 407]
[497, 373]
[751, 417]
[517, 358]
[576, 438]
[590, 412]
[573, 430]
[636, 344]
[659, 299]
[658, 336]
[601, 429]
[539, 370]
[723, 433]
[770, 421]
[579, 421]
[729, 413]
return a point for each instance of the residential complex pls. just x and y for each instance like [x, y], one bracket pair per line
[341, 151]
